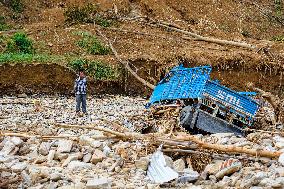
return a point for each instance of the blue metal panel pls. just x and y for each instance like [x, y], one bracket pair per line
[248, 93]
[241, 103]
[181, 83]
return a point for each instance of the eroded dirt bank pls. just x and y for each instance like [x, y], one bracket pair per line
[47, 79]
[57, 79]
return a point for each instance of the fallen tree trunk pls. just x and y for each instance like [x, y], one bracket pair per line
[208, 39]
[180, 142]
[186, 143]
[125, 63]
[230, 148]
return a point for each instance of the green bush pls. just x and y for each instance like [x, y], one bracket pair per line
[20, 43]
[17, 5]
[85, 14]
[78, 14]
[92, 45]
[96, 69]
[103, 22]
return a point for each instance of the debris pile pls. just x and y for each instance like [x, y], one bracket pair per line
[49, 147]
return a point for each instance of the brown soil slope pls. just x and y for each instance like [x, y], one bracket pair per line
[151, 49]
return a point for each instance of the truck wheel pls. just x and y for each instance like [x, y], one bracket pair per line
[185, 117]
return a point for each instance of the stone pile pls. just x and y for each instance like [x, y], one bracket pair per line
[85, 158]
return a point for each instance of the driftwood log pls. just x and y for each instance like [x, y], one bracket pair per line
[230, 148]
[186, 142]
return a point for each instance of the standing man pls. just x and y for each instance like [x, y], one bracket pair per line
[80, 89]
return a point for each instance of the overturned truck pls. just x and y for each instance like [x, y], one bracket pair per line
[206, 104]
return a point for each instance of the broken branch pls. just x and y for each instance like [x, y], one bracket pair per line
[125, 63]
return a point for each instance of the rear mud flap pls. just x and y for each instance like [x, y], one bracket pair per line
[208, 123]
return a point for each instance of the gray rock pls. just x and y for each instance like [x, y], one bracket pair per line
[179, 165]
[98, 183]
[188, 176]
[279, 182]
[279, 141]
[5, 174]
[281, 159]
[55, 177]
[225, 182]
[50, 155]
[19, 167]
[87, 157]
[26, 178]
[97, 156]
[64, 146]
[60, 156]
[142, 163]
[9, 146]
[52, 185]
[266, 182]
[280, 171]
[72, 157]
[44, 148]
[78, 165]
[88, 141]
[169, 161]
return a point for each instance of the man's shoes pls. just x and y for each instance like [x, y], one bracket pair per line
[79, 114]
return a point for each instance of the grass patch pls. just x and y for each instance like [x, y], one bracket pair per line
[92, 45]
[30, 58]
[279, 38]
[85, 14]
[96, 69]
[3, 25]
[278, 7]
[16, 5]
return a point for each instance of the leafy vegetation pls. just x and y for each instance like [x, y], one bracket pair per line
[20, 43]
[85, 14]
[96, 69]
[29, 58]
[278, 7]
[279, 38]
[16, 5]
[3, 25]
[92, 45]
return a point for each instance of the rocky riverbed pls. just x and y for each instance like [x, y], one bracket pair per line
[46, 155]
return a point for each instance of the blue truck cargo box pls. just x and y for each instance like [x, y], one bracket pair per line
[192, 83]
[181, 83]
[242, 105]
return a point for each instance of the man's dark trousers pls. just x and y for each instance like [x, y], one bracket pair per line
[81, 99]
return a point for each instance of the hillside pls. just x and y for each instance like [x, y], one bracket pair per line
[152, 49]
